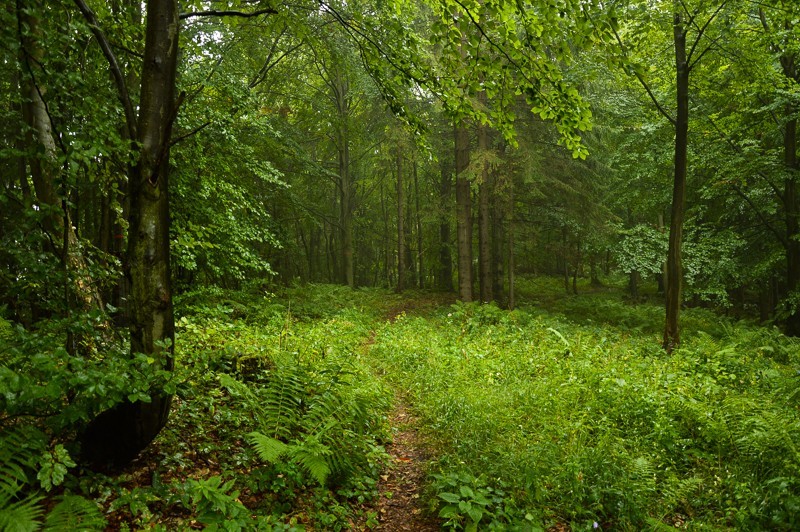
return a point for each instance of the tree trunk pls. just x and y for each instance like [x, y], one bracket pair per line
[118, 435]
[46, 175]
[484, 221]
[418, 228]
[340, 89]
[633, 284]
[401, 233]
[511, 266]
[674, 278]
[445, 256]
[463, 214]
[497, 226]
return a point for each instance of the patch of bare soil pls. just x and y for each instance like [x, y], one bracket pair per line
[401, 505]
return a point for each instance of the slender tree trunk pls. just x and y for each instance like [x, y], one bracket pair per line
[565, 257]
[340, 89]
[633, 284]
[511, 266]
[792, 167]
[401, 243]
[484, 221]
[497, 225]
[792, 225]
[577, 267]
[445, 256]
[46, 175]
[674, 278]
[418, 227]
[463, 214]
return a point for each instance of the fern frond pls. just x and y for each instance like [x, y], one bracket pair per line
[17, 513]
[314, 460]
[268, 449]
[21, 516]
[282, 402]
[74, 512]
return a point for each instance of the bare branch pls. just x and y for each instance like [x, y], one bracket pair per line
[642, 81]
[113, 65]
[189, 134]
[224, 13]
[700, 33]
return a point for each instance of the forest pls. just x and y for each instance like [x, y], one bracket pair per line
[399, 265]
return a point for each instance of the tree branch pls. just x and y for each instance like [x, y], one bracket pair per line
[113, 64]
[189, 134]
[700, 33]
[227, 13]
[781, 238]
[642, 81]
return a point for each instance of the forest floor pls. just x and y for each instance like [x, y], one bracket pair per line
[401, 502]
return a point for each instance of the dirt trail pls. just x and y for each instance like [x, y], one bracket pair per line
[401, 506]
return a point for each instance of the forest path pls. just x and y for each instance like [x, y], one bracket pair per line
[401, 503]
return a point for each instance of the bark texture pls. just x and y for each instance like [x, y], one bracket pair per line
[674, 278]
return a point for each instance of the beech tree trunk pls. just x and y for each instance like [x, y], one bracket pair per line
[674, 277]
[463, 214]
[119, 434]
[46, 174]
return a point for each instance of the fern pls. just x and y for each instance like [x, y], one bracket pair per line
[268, 449]
[20, 516]
[309, 454]
[18, 512]
[74, 512]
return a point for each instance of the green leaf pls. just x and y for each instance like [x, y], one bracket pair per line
[268, 449]
[450, 497]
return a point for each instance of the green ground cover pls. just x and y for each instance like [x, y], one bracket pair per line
[565, 413]
[546, 416]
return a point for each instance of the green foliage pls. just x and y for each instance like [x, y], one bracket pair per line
[21, 506]
[469, 503]
[217, 505]
[53, 465]
[42, 379]
[315, 417]
[589, 421]
[73, 512]
[643, 248]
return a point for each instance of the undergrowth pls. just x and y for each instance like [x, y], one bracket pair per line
[578, 421]
[276, 424]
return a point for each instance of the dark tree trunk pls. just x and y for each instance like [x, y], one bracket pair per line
[118, 435]
[484, 221]
[463, 214]
[792, 224]
[445, 282]
[633, 284]
[418, 229]
[674, 278]
[511, 266]
[401, 233]
[340, 89]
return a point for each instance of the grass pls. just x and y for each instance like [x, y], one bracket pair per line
[581, 418]
[565, 412]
